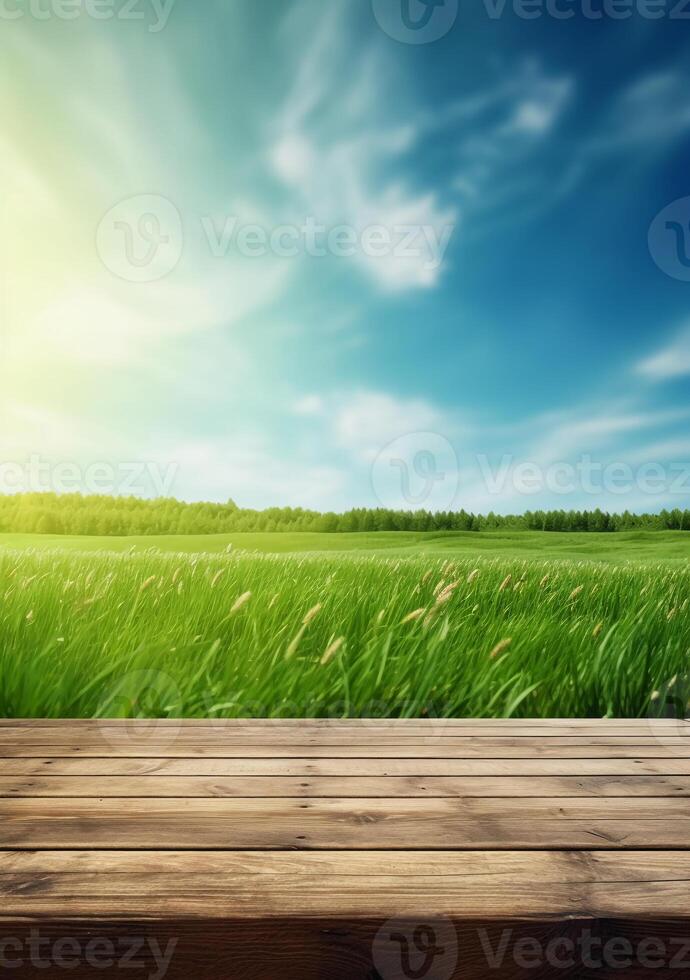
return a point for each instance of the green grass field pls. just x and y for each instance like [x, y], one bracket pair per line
[531, 625]
[620, 547]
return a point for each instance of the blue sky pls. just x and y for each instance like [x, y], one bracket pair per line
[533, 325]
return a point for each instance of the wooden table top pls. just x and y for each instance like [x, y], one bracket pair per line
[284, 848]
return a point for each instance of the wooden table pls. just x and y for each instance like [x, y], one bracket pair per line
[350, 849]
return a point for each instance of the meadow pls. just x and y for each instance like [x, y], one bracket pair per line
[523, 625]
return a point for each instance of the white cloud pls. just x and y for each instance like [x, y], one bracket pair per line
[334, 172]
[251, 473]
[672, 361]
[368, 420]
[650, 111]
[502, 129]
[309, 405]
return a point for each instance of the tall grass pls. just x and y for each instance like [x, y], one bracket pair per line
[229, 635]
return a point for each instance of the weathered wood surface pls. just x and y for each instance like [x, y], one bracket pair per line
[320, 849]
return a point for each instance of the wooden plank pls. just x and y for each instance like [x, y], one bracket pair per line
[344, 824]
[100, 743]
[476, 884]
[343, 786]
[220, 745]
[316, 947]
[341, 767]
[507, 866]
[469, 749]
[385, 809]
[476, 724]
[278, 731]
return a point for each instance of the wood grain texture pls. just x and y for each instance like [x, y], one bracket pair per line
[576, 823]
[340, 767]
[479, 884]
[266, 849]
[178, 748]
[354, 787]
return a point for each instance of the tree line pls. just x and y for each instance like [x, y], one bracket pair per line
[49, 513]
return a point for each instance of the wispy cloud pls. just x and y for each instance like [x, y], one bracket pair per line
[671, 361]
[367, 421]
[354, 173]
[251, 472]
[648, 112]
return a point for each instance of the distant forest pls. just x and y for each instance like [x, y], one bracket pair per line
[47, 513]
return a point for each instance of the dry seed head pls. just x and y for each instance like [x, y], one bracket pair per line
[597, 630]
[544, 581]
[446, 593]
[240, 601]
[216, 578]
[576, 592]
[332, 649]
[294, 643]
[313, 612]
[439, 587]
[147, 583]
[500, 647]
[411, 617]
[426, 576]
[505, 583]
[432, 614]
[473, 574]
